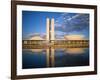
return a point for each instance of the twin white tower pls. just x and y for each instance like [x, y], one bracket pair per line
[50, 34]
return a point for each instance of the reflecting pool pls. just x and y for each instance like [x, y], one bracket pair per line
[63, 57]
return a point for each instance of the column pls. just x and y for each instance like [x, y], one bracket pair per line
[52, 29]
[47, 29]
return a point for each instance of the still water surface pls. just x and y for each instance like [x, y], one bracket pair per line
[43, 58]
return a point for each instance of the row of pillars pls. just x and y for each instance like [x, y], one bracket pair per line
[57, 42]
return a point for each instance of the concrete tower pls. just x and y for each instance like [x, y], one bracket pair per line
[52, 29]
[47, 29]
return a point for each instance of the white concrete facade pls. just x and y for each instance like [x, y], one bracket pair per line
[52, 29]
[47, 29]
[50, 34]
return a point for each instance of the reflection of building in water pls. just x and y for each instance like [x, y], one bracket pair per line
[74, 50]
[36, 50]
[50, 55]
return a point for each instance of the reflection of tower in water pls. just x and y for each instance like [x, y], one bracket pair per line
[50, 57]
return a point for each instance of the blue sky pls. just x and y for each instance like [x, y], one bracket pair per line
[34, 22]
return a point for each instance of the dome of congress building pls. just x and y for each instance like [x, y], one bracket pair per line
[36, 37]
[74, 37]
